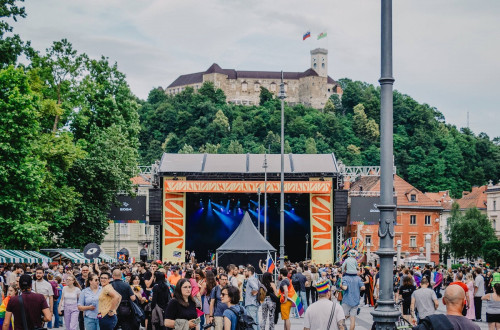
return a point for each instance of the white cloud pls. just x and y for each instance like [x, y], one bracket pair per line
[445, 55]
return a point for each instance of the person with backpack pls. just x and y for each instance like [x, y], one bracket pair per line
[217, 307]
[270, 302]
[235, 316]
[125, 311]
[250, 299]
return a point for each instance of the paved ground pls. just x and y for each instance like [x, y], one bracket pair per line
[365, 320]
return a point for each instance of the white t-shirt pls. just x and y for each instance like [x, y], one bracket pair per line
[318, 315]
[43, 287]
[479, 283]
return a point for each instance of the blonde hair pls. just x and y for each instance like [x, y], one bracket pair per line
[75, 282]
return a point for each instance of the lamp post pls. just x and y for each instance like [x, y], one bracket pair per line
[265, 195]
[282, 97]
[386, 315]
[428, 247]
[258, 216]
[398, 261]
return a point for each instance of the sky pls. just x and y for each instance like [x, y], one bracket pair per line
[446, 53]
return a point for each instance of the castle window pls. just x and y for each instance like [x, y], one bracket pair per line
[323, 65]
[272, 87]
[314, 65]
[256, 87]
[233, 86]
[244, 86]
[328, 90]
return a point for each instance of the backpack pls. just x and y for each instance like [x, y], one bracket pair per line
[261, 293]
[434, 322]
[55, 289]
[243, 321]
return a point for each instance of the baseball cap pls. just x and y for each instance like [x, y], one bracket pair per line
[25, 281]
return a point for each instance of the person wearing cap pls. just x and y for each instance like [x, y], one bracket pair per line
[350, 265]
[324, 313]
[175, 276]
[352, 285]
[35, 307]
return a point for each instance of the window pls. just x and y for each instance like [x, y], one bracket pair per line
[494, 205]
[272, 87]
[413, 219]
[314, 65]
[413, 198]
[413, 241]
[244, 86]
[368, 240]
[147, 230]
[323, 65]
[256, 87]
[123, 228]
[494, 222]
[427, 219]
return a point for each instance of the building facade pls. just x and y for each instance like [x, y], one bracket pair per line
[444, 199]
[493, 206]
[416, 216]
[136, 238]
[312, 87]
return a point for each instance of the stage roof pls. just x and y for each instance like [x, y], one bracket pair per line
[323, 164]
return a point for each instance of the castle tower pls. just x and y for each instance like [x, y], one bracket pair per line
[319, 61]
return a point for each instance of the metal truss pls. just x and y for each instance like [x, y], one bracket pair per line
[339, 240]
[157, 242]
[352, 172]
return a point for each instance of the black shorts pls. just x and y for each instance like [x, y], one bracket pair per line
[492, 318]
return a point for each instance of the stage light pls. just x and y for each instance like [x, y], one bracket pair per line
[227, 206]
[227, 221]
[295, 217]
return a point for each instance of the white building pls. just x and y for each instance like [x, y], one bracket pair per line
[493, 206]
[136, 238]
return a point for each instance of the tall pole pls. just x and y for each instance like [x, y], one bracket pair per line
[265, 195]
[385, 315]
[258, 217]
[282, 96]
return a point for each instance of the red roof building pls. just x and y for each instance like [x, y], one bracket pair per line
[416, 216]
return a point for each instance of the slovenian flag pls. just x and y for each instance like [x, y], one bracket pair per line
[295, 299]
[306, 35]
[322, 35]
[270, 264]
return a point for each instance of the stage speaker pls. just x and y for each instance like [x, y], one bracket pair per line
[155, 208]
[340, 208]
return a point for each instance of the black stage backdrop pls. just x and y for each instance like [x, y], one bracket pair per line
[212, 218]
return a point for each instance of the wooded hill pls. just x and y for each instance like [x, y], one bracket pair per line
[429, 153]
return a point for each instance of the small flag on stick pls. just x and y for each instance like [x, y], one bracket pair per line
[306, 35]
[270, 264]
[322, 35]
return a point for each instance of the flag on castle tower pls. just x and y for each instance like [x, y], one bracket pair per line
[306, 35]
[322, 35]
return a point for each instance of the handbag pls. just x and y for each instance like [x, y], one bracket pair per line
[23, 315]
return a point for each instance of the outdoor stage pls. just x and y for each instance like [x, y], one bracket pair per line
[204, 197]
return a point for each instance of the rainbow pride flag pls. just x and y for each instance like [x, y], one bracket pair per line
[212, 256]
[295, 299]
[417, 277]
[270, 266]
[438, 279]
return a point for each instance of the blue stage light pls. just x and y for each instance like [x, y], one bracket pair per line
[227, 221]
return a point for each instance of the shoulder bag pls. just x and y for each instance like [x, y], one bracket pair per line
[332, 313]
[23, 315]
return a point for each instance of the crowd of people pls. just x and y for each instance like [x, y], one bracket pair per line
[160, 295]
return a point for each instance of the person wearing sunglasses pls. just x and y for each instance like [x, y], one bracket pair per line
[88, 302]
[182, 308]
[109, 300]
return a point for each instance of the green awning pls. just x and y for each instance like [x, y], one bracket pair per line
[106, 258]
[41, 257]
[14, 257]
[27, 257]
[75, 257]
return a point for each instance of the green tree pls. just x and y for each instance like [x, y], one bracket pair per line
[186, 149]
[310, 146]
[365, 128]
[329, 106]
[468, 232]
[265, 95]
[235, 148]
[491, 252]
[22, 169]
[209, 148]
[11, 45]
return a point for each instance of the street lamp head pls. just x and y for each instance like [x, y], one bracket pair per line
[398, 242]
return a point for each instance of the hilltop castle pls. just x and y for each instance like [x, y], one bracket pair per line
[312, 87]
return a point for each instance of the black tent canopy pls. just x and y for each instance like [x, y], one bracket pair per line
[245, 246]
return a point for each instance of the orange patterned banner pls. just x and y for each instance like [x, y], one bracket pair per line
[316, 187]
[321, 228]
[174, 226]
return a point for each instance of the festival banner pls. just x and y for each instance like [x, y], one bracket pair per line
[174, 225]
[321, 227]
[298, 187]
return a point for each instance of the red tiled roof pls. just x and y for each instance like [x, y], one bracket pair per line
[403, 190]
[442, 197]
[475, 198]
[141, 181]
